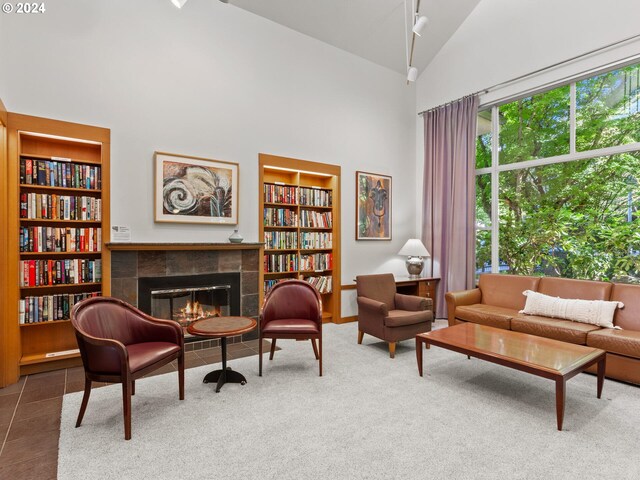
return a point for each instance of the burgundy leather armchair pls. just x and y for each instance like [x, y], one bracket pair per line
[292, 309]
[119, 344]
[388, 315]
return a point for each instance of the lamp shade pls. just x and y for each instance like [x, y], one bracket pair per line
[179, 3]
[414, 248]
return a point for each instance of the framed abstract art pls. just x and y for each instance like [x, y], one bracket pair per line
[195, 190]
[373, 206]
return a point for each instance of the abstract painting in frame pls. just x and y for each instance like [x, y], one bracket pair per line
[195, 190]
[373, 206]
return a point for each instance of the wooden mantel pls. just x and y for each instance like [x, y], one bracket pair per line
[184, 246]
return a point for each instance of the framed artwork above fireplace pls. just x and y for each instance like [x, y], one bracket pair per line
[195, 190]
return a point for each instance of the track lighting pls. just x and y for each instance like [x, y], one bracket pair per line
[421, 22]
[412, 74]
[179, 3]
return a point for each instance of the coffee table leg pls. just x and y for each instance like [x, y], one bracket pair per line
[560, 398]
[419, 354]
[601, 368]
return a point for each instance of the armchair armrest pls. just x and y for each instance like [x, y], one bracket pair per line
[459, 298]
[372, 307]
[102, 355]
[412, 303]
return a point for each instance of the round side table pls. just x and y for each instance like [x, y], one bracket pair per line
[222, 327]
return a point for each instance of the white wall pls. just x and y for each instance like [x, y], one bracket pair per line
[215, 81]
[503, 39]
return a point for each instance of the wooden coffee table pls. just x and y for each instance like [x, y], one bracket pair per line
[544, 357]
[222, 327]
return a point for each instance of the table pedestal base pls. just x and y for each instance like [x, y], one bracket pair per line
[224, 376]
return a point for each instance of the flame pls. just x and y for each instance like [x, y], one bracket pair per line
[194, 311]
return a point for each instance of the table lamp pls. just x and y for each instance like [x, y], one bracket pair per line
[415, 251]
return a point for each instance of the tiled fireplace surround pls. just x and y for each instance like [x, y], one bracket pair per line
[129, 265]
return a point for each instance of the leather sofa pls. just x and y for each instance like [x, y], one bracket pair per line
[497, 300]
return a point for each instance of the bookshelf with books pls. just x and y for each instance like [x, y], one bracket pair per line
[300, 225]
[58, 208]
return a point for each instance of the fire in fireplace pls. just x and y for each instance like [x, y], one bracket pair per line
[186, 305]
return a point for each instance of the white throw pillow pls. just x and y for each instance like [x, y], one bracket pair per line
[594, 312]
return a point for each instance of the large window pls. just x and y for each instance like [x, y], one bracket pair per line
[558, 181]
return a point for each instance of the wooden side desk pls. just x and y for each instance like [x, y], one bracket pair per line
[422, 287]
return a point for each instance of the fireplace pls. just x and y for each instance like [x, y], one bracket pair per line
[187, 298]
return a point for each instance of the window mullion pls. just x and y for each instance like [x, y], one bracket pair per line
[495, 135]
[572, 119]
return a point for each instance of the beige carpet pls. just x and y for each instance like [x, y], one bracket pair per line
[369, 417]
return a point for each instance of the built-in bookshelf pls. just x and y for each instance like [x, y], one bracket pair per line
[300, 225]
[58, 200]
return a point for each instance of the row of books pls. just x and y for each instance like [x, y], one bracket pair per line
[315, 197]
[70, 271]
[60, 239]
[52, 173]
[47, 308]
[324, 284]
[280, 194]
[280, 217]
[316, 262]
[306, 196]
[281, 262]
[311, 240]
[311, 219]
[59, 207]
[281, 240]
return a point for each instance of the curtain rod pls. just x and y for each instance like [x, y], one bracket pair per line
[544, 69]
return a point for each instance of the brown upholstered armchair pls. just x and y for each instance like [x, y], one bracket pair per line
[292, 309]
[119, 344]
[388, 315]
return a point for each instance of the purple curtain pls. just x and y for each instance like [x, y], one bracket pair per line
[448, 219]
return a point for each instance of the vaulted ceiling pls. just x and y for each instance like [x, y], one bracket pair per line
[371, 29]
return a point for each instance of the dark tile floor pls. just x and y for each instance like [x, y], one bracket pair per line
[30, 413]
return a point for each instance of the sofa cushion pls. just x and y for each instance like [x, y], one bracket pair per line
[489, 315]
[402, 318]
[623, 342]
[571, 288]
[627, 318]
[506, 290]
[563, 330]
[594, 312]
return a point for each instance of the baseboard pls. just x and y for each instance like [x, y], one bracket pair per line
[353, 318]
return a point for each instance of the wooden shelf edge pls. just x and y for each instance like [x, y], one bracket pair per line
[57, 254]
[63, 286]
[64, 189]
[48, 322]
[42, 358]
[48, 157]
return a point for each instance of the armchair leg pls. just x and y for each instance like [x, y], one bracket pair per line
[392, 349]
[360, 336]
[133, 387]
[260, 356]
[85, 400]
[320, 356]
[181, 376]
[315, 348]
[126, 407]
[273, 348]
